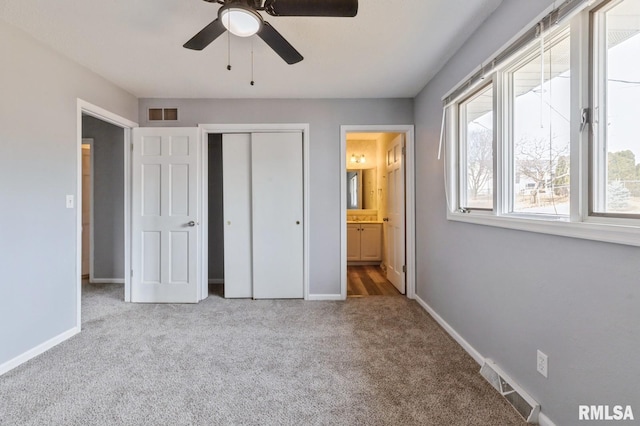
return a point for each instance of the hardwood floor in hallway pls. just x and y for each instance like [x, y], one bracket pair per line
[368, 281]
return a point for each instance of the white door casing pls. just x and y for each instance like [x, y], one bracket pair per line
[236, 165]
[164, 215]
[395, 227]
[277, 205]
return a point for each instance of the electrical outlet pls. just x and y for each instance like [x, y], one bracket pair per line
[543, 364]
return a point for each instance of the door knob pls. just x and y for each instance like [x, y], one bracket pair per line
[386, 219]
[297, 222]
[191, 223]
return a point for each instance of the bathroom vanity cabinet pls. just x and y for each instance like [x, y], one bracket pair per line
[364, 242]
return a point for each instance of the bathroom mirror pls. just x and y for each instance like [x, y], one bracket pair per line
[361, 189]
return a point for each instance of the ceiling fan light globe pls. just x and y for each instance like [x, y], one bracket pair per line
[240, 22]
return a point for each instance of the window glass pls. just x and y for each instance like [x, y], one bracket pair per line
[617, 127]
[476, 152]
[541, 133]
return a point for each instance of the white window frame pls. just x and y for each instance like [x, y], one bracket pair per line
[462, 149]
[581, 223]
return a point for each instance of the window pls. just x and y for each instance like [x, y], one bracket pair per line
[540, 86]
[543, 135]
[616, 146]
[476, 150]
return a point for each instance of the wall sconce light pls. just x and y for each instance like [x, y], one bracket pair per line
[358, 160]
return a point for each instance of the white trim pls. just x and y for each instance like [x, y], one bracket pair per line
[610, 232]
[216, 281]
[205, 129]
[410, 200]
[325, 297]
[84, 107]
[128, 141]
[543, 420]
[41, 348]
[104, 115]
[106, 280]
[203, 216]
[451, 331]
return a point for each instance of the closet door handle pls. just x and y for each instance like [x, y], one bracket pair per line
[191, 223]
[297, 222]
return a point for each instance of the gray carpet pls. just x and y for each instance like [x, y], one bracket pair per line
[368, 361]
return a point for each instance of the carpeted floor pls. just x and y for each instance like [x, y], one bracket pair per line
[366, 361]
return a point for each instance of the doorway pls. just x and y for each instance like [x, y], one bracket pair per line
[103, 164]
[378, 221]
[102, 202]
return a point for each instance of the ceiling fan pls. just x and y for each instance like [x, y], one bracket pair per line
[242, 18]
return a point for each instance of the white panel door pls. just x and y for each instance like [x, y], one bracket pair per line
[164, 215]
[395, 231]
[277, 198]
[236, 165]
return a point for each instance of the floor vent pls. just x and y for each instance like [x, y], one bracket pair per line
[519, 399]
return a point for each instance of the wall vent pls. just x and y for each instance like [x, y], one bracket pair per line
[163, 114]
[519, 399]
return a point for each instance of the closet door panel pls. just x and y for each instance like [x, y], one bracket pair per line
[236, 161]
[277, 204]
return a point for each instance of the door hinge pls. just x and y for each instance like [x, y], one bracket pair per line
[132, 272]
[404, 150]
[131, 146]
[404, 268]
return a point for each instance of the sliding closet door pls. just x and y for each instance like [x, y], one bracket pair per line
[277, 204]
[236, 160]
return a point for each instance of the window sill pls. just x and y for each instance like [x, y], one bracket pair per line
[620, 232]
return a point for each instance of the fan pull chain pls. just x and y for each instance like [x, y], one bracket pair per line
[228, 43]
[252, 80]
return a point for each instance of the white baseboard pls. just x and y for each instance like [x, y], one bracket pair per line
[453, 333]
[216, 280]
[43, 347]
[106, 280]
[324, 297]
[544, 420]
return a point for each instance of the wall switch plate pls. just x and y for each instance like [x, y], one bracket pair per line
[543, 364]
[69, 201]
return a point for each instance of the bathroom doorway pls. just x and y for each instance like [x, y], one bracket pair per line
[377, 199]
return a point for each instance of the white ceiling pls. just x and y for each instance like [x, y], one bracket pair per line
[391, 49]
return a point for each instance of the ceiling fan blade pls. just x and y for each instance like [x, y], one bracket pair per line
[278, 43]
[206, 36]
[329, 8]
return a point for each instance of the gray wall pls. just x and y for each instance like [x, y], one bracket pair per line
[38, 166]
[325, 117]
[108, 197]
[510, 292]
[216, 209]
